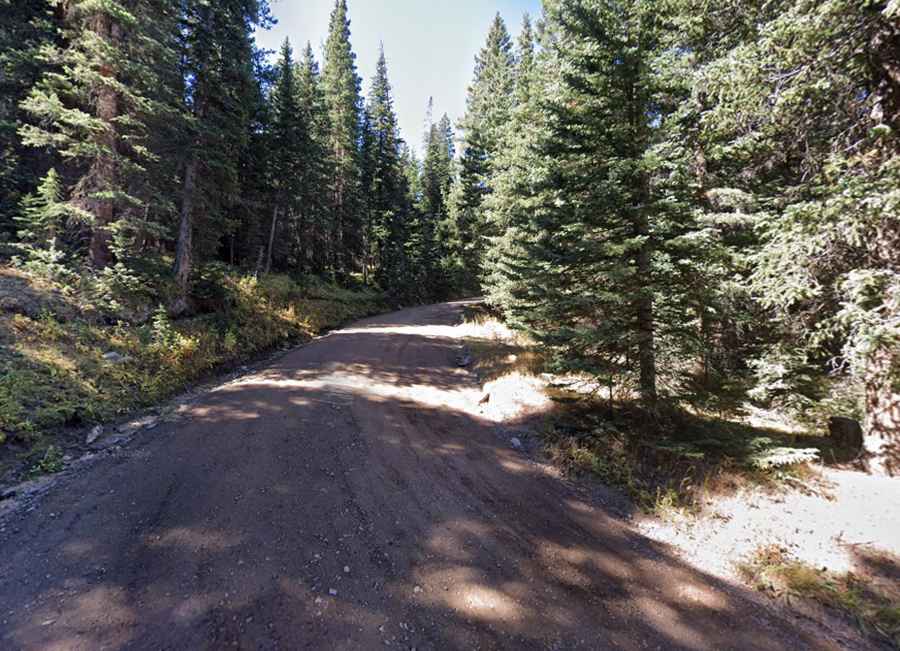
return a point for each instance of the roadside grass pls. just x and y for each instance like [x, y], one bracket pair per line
[64, 369]
[673, 462]
[51, 462]
[695, 471]
[497, 351]
[670, 462]
[875, 610]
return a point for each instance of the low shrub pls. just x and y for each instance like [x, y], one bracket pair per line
[55, 374]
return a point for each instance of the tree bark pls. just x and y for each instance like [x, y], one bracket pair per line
[645, 326]
[643, 303]
[184, 247]
[260, 260]
[302, 242]
[882, 426]
[884, 60]
[271, 241]
[101, 176]
[338, 242]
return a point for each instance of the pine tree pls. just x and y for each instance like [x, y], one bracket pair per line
[95, 115]
[44, 214]
[599, 215]
[386, 191]
[438, 168]
[341, 86]
[28, 26]
[221, 98]
[799, 136]
[515, 165]
[43, 218]
[488, 106]
[244, 227]
[290, 137]
[437, 177]
[316, 167]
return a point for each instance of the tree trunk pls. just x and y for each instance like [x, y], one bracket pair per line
[302, 242]
[184, 248]
[338, 242]
[882, 423]
[643, 303]
[260, 260]
[882, 426]
[271, 241]
[101, 176]
[884, 60]
[366, 257]
[645, 327]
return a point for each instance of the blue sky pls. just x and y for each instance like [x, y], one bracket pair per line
[430, 45]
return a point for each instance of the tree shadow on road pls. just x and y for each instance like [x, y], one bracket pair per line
[317, 508]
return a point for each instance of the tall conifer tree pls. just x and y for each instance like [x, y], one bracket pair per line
[598, 277]
[799, 115]
[387, 192]
[28, 29]
[488, 106]
[221, 97]
[96, 113]
[341, 85]
[437, 177]
[313, 204]
[290, 137]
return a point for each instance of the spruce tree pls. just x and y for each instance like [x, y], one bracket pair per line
[44, 214]
[800, 116]
[488, 106]
[598, 214]
[43, 219]
[386, 193]
[437, 177]
[341, 86]
[28, 29]
[313, 204]
[290, 138]
[516, 165]
[220, 100]
[437, 168]
[95, 115]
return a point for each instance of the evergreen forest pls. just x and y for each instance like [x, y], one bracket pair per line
[693, 203]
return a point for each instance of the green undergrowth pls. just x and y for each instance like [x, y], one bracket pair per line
[668, 462]
[65, 368]
[674, 460]
[872, 607]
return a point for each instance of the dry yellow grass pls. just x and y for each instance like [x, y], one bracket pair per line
[52, 368]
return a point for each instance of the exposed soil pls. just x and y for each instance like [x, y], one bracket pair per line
[847, 516]
[351, 495]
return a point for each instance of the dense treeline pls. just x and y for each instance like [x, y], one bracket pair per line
[691, 202]
[698, 202]
[146, 140]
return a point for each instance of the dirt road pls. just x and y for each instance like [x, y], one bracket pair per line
[345, 498]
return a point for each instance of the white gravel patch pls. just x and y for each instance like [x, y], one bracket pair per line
[823, 530]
